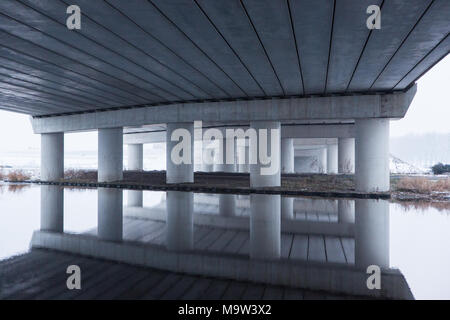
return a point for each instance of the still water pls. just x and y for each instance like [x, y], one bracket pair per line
[418, 237]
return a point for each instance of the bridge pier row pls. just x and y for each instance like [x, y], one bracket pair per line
[180, 221]
[135, 163]
[110, 154]
[346, 155]
[332, 159]
[184, 171]
[265, 210]
[110, 214]
[372, 155]
[371, 233]
[52, 169]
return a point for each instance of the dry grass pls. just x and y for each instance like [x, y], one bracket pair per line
[423, 185]
[75, 174]
[17, 176]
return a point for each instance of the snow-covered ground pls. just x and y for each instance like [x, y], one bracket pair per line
[398, 166]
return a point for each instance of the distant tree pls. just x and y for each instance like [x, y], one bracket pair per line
[440, 168]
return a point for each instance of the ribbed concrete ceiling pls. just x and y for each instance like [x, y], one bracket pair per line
[139, 52]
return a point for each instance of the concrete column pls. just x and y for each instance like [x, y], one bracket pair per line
[265, 226]
[287, 208]
[52, 156]
[136, 157]
[110, 214]
[332, 159]
[227, 205]
[287, 155]
[180, 221]
[346, 155]
[346, 211]
[322, 160]
[52, 208]
[183, 171]
[265, 175]
[207, 149]
[244, 158]
[136, 163]
[372, 155]
[110, 154]
[224, 166]
[372, 233]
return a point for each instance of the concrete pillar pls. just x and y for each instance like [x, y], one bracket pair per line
[371, 233]
[265, 175]
[346, 155]
[346, 211]
[287, 155]
[372, 155]
[287, 208]
[222, 165]
[136, 163]
[244, 158]
[322, 160]
[180, 221]
[52, 156]
[110, 154]
[110, 214]
[52, 208]
[183, 171]
[227, 205]
[332, 159]
[136, 157]
[207, 149]
[265, 226]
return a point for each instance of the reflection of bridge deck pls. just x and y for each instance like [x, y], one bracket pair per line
[322, 248]
[40, 274]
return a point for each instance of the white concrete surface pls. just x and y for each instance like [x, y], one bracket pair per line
[257, 177]
[346, 211]
[372, 155]
[110, 213]
[110, 154]
[332, 159]
[287, 208]
[265, 226]
[346, 155]
[52, 156]
[52, 208]
[180, 221]
[183, 172]
[287, 155]
[135, 156]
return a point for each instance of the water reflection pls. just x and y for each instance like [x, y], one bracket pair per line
[320, 232]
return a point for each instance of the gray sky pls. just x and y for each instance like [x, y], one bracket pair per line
[429, 112]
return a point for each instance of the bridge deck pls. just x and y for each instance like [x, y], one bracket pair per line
[41, 274]
[220, 240]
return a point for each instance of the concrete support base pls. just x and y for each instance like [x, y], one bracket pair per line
[372, 155]
[177, 169]
[110, 154]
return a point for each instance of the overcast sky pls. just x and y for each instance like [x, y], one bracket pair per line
[429, 112]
